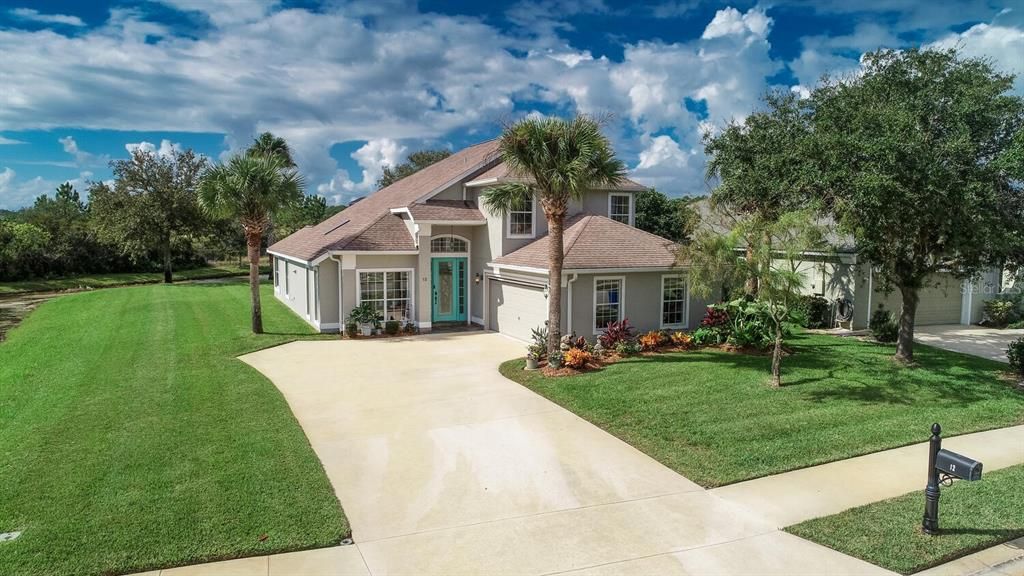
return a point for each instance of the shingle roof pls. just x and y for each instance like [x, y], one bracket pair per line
[500, 173]
[343, 231]
[597, 242]
[446, 210]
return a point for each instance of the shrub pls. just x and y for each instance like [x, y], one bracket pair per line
[708, 336]
[391, 327]
[576, 358]
[715, 317]
[815, 312]
[628, 347]
[651, 340]
[540, 339]
[1016, 355]
[555, 360]
[883, 325]
[681, 339]
[352, 329]
[410, 328]
[1016, 325]
[1004, 309]
[616, 332]
[750, 324]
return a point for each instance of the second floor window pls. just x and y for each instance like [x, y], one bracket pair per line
[520, 220]
[619, 208]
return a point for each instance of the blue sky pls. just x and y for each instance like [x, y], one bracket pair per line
[354, 86]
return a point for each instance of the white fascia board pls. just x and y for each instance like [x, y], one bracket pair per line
[289, 258]
[454, 222]
[482, 182]
[515, 268]
[623, 270]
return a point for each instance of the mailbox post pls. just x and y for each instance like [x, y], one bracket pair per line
[943, 466]
[930, 525]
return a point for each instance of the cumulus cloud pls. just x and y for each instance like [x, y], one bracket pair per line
[372, 157]
[731, 21]
[665, 164]
[1003, 44]
[165, 149]
[9, 141]
[36, 16]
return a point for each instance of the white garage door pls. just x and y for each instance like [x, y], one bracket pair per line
[940, 304]
[516, 309]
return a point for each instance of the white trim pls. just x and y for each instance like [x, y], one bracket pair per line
[469, 245]
[632, 211]
[476, 320]
[454, 222]
[623, 270]
[412, 287]
[378, 252]
[423, 325]
[302, 263]
[593, 301]
[533, 224]
[966, 301]
[341, 294]
[328, 326]
[483, 182]
[686, 303]
[401, 211]
[516, 268]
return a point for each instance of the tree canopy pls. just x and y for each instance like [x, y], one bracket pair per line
[915, 158]
[417, 161]
[671, 218]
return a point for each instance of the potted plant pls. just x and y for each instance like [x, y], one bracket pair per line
[367, 317]
[534, 354]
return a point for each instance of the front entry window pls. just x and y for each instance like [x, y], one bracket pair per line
[388, 292]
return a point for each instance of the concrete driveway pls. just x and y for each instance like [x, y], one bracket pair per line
[988, 343]
[445, 467]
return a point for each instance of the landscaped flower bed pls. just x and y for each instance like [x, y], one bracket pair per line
[729, 327]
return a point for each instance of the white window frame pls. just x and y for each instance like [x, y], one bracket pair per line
[452, 254]
[686, 303]
[631, 209]
[412, 288]
[277, 275]
[533, 227]
[593, 302]
[287, 281]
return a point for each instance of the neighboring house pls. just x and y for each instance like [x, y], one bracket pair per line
[837, 274]
[424, 250]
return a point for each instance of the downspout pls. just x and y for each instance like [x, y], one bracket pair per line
[568, 319]
[341, 319]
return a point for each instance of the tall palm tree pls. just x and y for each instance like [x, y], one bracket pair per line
[251, 187]
[556, 161]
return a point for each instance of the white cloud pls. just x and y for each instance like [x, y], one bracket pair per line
[1003, 44]
[731, 21]
[664, 164]
[37, 16]
[17, 194]
[9, 141]
[372, 157]
[82, 158]
[165, 149]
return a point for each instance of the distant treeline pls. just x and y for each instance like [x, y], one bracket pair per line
[147, 220]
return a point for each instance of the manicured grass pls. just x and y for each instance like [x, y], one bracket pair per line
[122, 279]
[972, 516]
[711, 416]
[132, 438]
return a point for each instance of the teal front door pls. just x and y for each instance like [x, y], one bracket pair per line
[449, 286]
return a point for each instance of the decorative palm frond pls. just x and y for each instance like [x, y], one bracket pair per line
[249, 188]
[503, 198]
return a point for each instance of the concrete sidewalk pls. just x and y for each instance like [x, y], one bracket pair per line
[792, 497]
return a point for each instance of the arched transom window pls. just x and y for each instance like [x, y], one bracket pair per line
[448, 244]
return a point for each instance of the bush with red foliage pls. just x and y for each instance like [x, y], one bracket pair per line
[616, 332]
[715, 318]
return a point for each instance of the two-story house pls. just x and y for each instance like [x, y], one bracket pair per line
[425, 250]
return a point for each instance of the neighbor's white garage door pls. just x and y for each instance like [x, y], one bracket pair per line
[516, 309]
[940, 304]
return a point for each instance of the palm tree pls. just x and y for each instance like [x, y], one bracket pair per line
[556, 161]
[266, 144]
[250, 187]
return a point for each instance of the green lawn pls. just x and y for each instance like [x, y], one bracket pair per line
[132, 438]
[122, 279]
[712, 417]
[972, 516]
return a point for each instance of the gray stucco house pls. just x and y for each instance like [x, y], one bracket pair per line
[424, 250]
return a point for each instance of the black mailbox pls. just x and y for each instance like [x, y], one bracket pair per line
[958, 466]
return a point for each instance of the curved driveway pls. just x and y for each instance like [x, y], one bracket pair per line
[444, 466]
